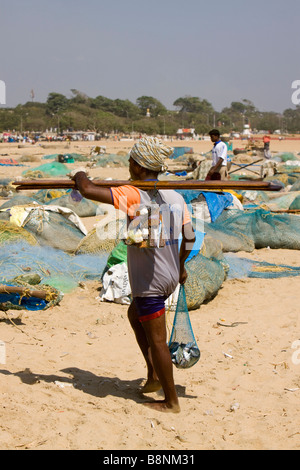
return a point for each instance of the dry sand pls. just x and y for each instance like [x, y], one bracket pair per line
[72, 373]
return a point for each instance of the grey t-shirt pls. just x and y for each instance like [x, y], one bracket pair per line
[154, 271]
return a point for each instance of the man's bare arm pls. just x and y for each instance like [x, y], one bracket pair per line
[91, 191]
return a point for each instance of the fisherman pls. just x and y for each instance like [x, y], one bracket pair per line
[154, 272]
[218, 170]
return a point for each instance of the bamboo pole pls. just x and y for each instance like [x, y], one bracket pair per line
[148, 185]
[23, 291]
[287, 211]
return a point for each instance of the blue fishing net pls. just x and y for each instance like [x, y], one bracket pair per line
[242, 267]
[56, 267]
[246, 230]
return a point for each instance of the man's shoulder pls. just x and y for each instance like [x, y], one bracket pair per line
[221, 144]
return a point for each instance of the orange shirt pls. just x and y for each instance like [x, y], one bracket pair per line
[128, 199]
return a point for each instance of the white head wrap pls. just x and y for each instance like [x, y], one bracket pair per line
[150, 153]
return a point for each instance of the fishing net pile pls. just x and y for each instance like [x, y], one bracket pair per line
[52, 226]
[81, 206]
[66, 157]
[67, 199]
[47, 170]
[46, 240]
[247, 230]
[10, 233]
[207, 271]
[103, 237]
[284, 200]
[111, 160]
[50, 266]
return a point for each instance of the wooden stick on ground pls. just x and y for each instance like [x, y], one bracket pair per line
[39, 294]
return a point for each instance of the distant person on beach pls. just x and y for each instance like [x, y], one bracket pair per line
[218, 170]
[154, 272]
[266, 141]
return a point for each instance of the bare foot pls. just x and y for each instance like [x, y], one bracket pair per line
[163, 406]
[151, 386]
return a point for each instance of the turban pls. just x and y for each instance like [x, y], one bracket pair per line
[150, 153]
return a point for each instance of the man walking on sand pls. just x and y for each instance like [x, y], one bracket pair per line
[154, 272]
[218, 170]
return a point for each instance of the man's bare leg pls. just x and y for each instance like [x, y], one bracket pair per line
[152, 384]
[156, 335]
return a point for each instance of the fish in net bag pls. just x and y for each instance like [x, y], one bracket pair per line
[182, 344]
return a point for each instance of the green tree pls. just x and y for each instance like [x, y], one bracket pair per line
[148, 102]
[101, 102]
[192, 104]
[79, 96]
[56, 103]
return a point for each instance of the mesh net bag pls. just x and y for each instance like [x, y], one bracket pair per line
[182, 344]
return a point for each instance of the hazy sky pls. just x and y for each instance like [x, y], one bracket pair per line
[219, 50]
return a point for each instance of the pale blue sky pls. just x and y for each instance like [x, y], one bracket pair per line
[219, 50]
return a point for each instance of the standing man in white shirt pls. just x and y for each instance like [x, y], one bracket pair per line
[218, 170]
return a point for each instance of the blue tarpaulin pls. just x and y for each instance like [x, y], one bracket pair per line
[28, 303]
[216, 202]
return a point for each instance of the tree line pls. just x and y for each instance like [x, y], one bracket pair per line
[147, 115]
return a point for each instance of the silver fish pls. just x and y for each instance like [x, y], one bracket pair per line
[184, 355]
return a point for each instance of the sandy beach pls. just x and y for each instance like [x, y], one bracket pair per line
[72, 374]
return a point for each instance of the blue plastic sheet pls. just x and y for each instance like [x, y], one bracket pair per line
[28, 303]
[216, 202]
